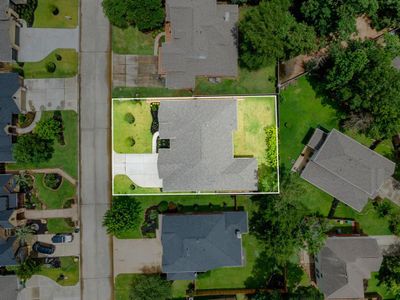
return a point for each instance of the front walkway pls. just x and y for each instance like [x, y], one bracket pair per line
[37, 43]
[35, 214]
[38, 115]
[390, 190]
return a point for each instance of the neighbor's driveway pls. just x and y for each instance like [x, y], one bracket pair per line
[140, 168]
[52, 94]
[62, 249]
[37, 43]
[137, 256]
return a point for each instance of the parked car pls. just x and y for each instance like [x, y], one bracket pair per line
[62, 238]
[43, 248]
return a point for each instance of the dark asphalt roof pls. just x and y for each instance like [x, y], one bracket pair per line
[8, 287]
[198, 243]
[7, 257]
[200, 157]
[8, 202]
[5, 44]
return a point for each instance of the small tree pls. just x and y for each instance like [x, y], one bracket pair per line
[23, 181]
[150, 287]
[389, 273]
[123, 215]
[30, 148]
[48, 129]
[23, 234]
[129, 118]
[27, 269]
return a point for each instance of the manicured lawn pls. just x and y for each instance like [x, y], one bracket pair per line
[144, 92]
[123, 285]
[47, 17]
[122, 185]
[248, 82]
[65, 156]
[59, 225]
[132, 41]
[69, 268]
[380, 289]
[179, 288]
[66, 67]
[139, 130]
[54, 198]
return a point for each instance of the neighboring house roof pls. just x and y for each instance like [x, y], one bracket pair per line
[7, 252]
[203, 41]
[8, 202]
[9, 85]
[347, 170]
[200, 157]
[343, 263]
[5, 23]
[8, 287]
[198, 243]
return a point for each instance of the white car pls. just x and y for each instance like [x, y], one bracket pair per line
[62, 238]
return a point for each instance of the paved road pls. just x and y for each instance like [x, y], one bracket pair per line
[95, 179]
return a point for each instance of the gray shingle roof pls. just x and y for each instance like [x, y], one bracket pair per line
[8, 287]
[347, 170]
[203, 41]
[5, 45]
[7, 257]
[343, 263]
[9, 85]
[198, 243]
[200, 157]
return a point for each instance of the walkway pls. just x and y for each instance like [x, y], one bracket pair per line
[57, 171]
[44, 288]
[36, 214]
[95, 179]
[37, 43]
[51, 94]
[391, 190]
[38, 115]
[157, 42]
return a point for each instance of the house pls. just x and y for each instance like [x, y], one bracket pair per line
[10, 26]
[9, 287]
[9, 87]
[342, 167]
[198, 243]
[201, 40]
[199, 155]
[343, 264]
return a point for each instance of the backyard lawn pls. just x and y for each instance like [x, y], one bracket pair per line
[65, 156]
[69, 268]
[132, 41]
[248, 82]
[139, 130]
[122, 185]
[59, 225]
[56, 14]
[380, 289]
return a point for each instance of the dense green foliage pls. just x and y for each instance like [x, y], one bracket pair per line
[27, 269]
[27, 11]
[143, 14]
[389, 273]
[150, 287]
[23, 234]
[31, 148]
[123, 215]
[269, 32]
[271, 155]
[362, 83]
[387, 15]
[48, 129]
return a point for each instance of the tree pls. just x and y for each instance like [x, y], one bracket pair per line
[123, 215]
[30, 148]
[306, 292]
[144, 14]
[389, 273]
[23, 234]
[27, 269]
[48, 129]
[150, 287]
[24, 181]
[388, 14]
[269, 32]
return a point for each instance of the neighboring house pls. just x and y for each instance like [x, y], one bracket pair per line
[9, 87]
[201, 40]
[198, 243]
[342, 167]
[199, 155]
[9, 287]
[9, 30]
[343, 264]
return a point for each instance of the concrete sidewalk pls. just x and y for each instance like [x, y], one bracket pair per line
[35, 214]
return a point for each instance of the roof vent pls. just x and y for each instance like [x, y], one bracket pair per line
[238, 234]
[226, 17]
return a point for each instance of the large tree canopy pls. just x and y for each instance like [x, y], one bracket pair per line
[387, 15]
[144, 14]
[389, 273]
[30, 148]
[361, 81]
[269, 32]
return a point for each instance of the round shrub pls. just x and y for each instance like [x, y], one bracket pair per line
[54, 10]
[129, 118]
[58, 57]
[163, 206]
[52, 181]
[133, 187]
[131, 141]
[51, 67]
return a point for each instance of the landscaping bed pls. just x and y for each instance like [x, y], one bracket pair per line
[66, 275]
[143, 92]
[24, 120]
[56, 14]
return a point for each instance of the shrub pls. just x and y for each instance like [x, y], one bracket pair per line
[271, 155]
[151, 287]
[58, 57]
[132, 186]
[129, 118]
[21, 118]
[27, 11]
[394, 223]
[51, 67]
[131, 141]
[31, 148]
[48, 128]
[54, 10]
[52, 180]
[163, 206]
[383, 208]
[27, 269]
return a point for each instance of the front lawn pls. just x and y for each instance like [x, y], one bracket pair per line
[59, 225]
[132, 41]
[248, 82]
[65, 156]
[123, 286]
[60, 63]
[54, 199]
[56, 14]
[69, 268]
[123, 185]
[139, 130]
[146, 92]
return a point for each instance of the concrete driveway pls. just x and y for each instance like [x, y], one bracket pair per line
[137, 256]
[37, 43]
[140, 168]
[64, 249]
[51, 94]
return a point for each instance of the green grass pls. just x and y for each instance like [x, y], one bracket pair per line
[65, 156]
[380, 289]
[122, 185]
[59, 225]
[123, 285]
[139, 130]
[179, 288]
[54, 198]
[248, 82]
[69, 268]
[67, 16]
[66, 67]
[145, 92]
[132, 41]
